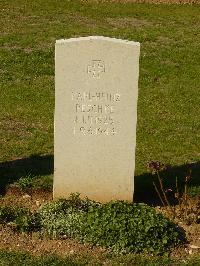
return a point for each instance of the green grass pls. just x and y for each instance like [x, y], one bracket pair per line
[168, 127]
[10, 258]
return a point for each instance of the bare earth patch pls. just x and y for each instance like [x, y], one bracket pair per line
[31, 199]
[37, 246]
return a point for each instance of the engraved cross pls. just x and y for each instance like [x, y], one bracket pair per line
[96, 68]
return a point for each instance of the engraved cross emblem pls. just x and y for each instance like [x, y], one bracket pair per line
[96, 68]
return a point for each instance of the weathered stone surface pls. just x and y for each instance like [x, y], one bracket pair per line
[95, 117]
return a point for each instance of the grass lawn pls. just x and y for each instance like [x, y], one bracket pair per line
[22, 258]
[168, 127]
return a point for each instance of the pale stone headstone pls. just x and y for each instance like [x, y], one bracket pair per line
[95, 117]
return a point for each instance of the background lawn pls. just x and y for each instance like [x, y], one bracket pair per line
[168, 127]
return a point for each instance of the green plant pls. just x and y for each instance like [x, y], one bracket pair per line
[26, 221]
[121, 226]
[130, 227]
[25, 182]
[63, 224]
[7, 214]
[20, 219]
[64, 217]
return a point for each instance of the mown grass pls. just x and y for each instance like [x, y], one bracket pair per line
[168, 117]
[9, 258]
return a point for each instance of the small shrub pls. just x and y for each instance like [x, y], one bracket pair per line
[60, 224]
[7, 214]
[178, 199]
[64, 217]
[130, 227]
[19, 219]
[119, 225]
[26, 221]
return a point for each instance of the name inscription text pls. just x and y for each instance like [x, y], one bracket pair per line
[95, 113]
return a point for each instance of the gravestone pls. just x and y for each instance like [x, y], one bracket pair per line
[96, 80]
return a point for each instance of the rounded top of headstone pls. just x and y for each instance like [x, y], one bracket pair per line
[101, 38]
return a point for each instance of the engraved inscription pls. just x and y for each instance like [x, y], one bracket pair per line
[95, 96]
[95, 113]
[96, 68]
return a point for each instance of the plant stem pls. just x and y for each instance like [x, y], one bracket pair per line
[178, 196]
[163, 192]
[185, 201]
[159, 194]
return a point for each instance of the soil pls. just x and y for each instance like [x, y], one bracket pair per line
[33, 243]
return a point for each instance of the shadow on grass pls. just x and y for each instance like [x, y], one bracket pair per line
[145, 192]
[38, 165]
[35, 165]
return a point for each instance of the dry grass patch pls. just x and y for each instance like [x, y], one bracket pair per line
[128, 22]
[18, 128]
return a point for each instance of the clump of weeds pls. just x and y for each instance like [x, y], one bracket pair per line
[177, 201]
